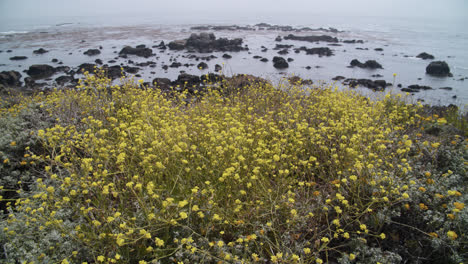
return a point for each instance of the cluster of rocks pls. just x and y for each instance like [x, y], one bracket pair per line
[207, 42]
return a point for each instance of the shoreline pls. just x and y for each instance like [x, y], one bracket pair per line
[259, 46]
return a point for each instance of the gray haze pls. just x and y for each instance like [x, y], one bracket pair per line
[19, 9]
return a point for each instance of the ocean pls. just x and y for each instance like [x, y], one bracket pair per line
[397, 39]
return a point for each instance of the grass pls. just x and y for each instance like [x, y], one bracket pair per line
[290, 174]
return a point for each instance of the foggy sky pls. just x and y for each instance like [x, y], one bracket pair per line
[14, 9]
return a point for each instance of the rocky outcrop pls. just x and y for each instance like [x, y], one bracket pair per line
[227, 56]
[10, 78]
[370, 64]
[438, 68]
[140, 51]
[92, 52]
[205, 43]
[324, 38]
[40, 71]
[425, 56]
[280, 63]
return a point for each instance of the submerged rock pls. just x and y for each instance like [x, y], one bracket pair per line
[18, 58]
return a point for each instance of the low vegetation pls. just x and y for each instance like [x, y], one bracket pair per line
[289, 174]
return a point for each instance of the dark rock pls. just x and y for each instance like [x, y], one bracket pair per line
[98, 61]
[18, 58]
[371, 64]
[378, 85]
[175, 65]
[162, 83]
[264, 60]
[378, 49]
[29, 82]
[334, 45]
[278, 38]
[425, 56]
[399, 85]
[131, 70]
[54, 60]
[205, 42]
[438, 68]
[10, 78]
[338, 78]
[312, 38]
[280, 63]
[353, 41]
[227, 56]
[218, 68]
[419, 87]
[165, 67]
[299, 81]
[92, 52]
[290, 59]
[257, 57]
[141, 52]
[282, 46]
[9, 51]
[64, 69]
[40, 71]
[185, 79]
[446, 88]
[308, 67]
[177, 44]
[63, 79]
[211, 78]
[408, 90]
[141, 46]
[283, 52]
[89, 67]
[40, 51]
[323, 51]
[202, 66]
[377, 75]
[114, 72]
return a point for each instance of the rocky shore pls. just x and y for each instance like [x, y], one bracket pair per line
[201, 45]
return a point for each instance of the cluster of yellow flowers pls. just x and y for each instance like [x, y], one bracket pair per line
[238, 178]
